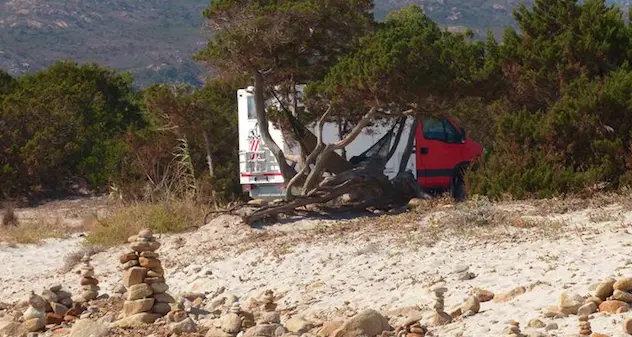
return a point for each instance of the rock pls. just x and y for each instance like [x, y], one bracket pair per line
[587, 309]
[440, 318]
[621, 295]
[216, 332]
[612, 306]
[137, 306]
[594, 299]
[119, 288]
[88, 281]
[139, 246]
[510, 295]
[134, 276]
[67, 302]
[627, 326]
[536, 324]
[369, 323]
[624, 284]
[49, 295]
[126, 257]
[298, 325]
[472, 304]
[269, 317]
[59, 309]
[149, 254]
[55, 319]
[231, 323]
[31, 313]
[161, 308]
[570, 303]
[186, 326]
[466, 276]
[159, 288]
[415, 203]
[329, 328]
[89, 328]
[155, 273]
[551, 326]
[137, 320]
[138, 291]
[149, 263]
[262, 330]
[482, 295]
[37, 302]
[12, 329]
[605, 289]
[146, 233]
[34, 324]
[258, 202]
[164, 298]
[553, 311]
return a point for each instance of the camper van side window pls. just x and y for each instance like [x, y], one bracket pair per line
[252, 112]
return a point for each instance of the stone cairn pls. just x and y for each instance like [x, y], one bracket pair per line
[513, 330]
[268, 313]
[411, 328]
[584, 326]
[440, 317]
[59, 305]
[89, 284]
[143, 278]
[35, 315]
[229, 325]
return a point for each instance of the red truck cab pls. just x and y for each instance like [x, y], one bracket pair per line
[443, 151]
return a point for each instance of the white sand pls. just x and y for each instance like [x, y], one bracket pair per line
[371, 267]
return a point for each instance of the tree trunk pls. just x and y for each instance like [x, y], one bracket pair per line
[209, 162]
[409, 145]
[262, 119]
[398, 137]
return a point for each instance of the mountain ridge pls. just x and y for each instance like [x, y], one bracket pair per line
[155, 39]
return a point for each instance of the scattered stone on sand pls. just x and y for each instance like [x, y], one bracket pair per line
[298, 325]
[536, 324]
[482, 295]
[510, 295]
[587, 309]
[367, 323]
[513, 330]
[627, 326]
[551, 326]
[605, 289]
[185, 326]
[613, 306]
[570, 303]
[471, 306]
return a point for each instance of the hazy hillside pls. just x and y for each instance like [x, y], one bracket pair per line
[155, 39]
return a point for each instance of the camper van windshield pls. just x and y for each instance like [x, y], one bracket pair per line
[252, 113]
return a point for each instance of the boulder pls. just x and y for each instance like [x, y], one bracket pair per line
[89, 328]
[367, 323]
[186, 326]
[329, 328]
[570, 303]
[613, 306]
[298, 325]
[510, 295]
[137, 320]
[605, 289]
[624, 284]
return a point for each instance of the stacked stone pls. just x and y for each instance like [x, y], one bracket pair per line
[440, 316]
[143, 278]
[229, 325]
[89, 284]
[584, 326]
[35, 315]
[58, 302]
[412, 329]
[513, 330]
[268, 314]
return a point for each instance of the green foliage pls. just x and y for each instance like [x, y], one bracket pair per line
[564, 123]
[167, 160]
[64, 122]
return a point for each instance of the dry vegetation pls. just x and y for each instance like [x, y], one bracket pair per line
[126, 221]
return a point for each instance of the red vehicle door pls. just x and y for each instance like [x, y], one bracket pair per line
[439, 149]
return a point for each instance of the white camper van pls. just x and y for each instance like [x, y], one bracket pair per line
[258, 168]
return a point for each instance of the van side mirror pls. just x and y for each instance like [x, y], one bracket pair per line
[463, 135]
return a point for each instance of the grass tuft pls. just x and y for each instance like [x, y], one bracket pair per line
[160, 218]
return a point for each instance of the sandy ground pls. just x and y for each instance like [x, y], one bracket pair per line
[328, 269]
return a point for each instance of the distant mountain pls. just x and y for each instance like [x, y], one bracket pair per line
[154, 39]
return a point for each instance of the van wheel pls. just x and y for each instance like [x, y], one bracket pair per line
[457, 187]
